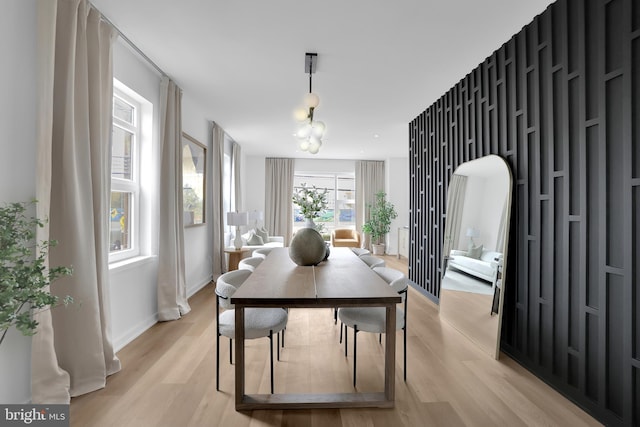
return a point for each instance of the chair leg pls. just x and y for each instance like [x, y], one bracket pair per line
[271, 357]
[345, 340]
[230, 351]
[218, 363]
[283, 331]
[355, 335]
[380, 338]
[405, 354]
[278, 345]
[341, 325]
[335, 316]
[217, 343]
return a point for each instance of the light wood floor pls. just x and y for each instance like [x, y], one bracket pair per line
[168, 377]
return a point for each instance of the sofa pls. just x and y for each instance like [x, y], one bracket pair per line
[345, 237]
[266, 241]
[485, 266]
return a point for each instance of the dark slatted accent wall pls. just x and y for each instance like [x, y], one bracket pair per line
[560, 102]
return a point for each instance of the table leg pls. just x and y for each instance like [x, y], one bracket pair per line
[239, 355]
[390, 354]
[234, 259]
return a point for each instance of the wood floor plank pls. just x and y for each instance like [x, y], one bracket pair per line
[168, 377]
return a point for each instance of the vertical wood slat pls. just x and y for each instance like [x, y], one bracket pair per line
[556, 102]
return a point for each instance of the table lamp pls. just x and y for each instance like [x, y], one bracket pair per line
[237, 219]
[471, 233]
[255, 216]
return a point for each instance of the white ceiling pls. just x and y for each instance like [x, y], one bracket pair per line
[380, 62]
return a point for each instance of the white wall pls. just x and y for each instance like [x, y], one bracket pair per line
[198, 251]
[397, 185]
[133, 287]
[396, 182]
[17, 157]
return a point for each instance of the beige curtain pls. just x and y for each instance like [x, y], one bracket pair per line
[235, 165]
[369, 181]
[72, 353]
[278, 215]
[455, 205]
[217, 192]
[172, 290]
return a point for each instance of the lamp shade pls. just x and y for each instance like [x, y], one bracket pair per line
[311, 100]
[256, 215]
[472, 232]
[237, 218]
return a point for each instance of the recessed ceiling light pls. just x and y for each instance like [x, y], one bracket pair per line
[375, 135]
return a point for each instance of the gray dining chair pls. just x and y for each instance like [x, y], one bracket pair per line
[262, 252]
[373, 319]
[258, 322]
[361, 251]
[372, 261]
[250, 263]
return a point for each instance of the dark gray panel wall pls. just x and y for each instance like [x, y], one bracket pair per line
[561, 103]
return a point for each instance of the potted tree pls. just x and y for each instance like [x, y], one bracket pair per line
[24, 278]
[380, 215]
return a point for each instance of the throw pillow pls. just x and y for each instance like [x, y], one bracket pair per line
[254, 240]
[263, 234]
[475, 252]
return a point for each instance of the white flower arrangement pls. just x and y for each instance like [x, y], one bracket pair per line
[310, 200]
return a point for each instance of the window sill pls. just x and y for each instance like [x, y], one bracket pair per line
[132, 262]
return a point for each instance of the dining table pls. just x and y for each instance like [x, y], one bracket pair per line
[342, 280]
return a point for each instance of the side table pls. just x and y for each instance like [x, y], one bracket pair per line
[235, 255]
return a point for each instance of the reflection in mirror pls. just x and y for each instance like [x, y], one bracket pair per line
[475, 250]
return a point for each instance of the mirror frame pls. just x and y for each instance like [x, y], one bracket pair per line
[494, 351]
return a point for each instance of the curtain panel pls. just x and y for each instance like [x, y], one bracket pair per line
[217, 194]
[236, 158]
[369, 181]
[72, 353]
[278, 192]
[453, 215]
[172, 289]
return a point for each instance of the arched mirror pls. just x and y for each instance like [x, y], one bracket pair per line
[475, 250]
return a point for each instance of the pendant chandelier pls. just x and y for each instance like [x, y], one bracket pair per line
[310, 131]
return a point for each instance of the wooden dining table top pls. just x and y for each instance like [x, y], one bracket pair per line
[343, 276]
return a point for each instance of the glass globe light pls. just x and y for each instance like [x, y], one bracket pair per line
[304, 144]
[317, 129]
[304, 131]
[314, 140]
[300, 114]
[311, 100]
[314, 147]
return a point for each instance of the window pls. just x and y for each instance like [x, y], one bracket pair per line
[127, 139]
[341, 197]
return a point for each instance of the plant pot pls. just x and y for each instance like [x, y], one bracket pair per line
[378, 249]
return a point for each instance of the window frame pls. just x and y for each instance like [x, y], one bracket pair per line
[132, 186]
[301, 177]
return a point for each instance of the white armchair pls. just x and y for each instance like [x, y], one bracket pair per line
[258, 322]
[374, 319]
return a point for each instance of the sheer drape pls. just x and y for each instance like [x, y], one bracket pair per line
[278, 215]
[73, 185]
[217, 194]
[501, 228]
[369, 181]
[235, 165]
[172, 290]
[455, 205]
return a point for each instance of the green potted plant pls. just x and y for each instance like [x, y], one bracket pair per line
[24, 278]
[380, 215]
